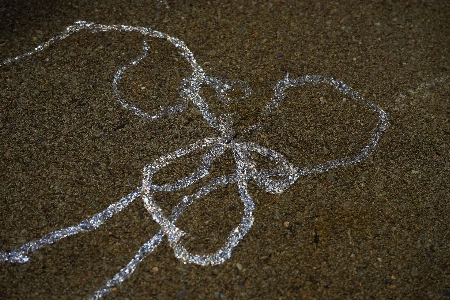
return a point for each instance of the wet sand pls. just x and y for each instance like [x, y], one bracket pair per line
[373, 230]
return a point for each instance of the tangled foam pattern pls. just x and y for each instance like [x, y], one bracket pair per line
[275, 180]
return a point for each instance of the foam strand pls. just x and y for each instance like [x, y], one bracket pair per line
[275, 180]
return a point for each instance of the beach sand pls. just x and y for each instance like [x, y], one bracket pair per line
[378, 229]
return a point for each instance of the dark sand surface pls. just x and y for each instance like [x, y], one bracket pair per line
[374, 230]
